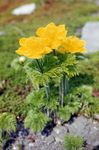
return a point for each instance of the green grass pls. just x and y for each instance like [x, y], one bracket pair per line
[72, 13]
[89, 72]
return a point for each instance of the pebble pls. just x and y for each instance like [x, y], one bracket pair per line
[26, 9]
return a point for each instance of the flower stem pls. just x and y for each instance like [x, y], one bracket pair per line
[66, 85]
[39, 66]
[46, 86]
[61, 92]
[63, 89]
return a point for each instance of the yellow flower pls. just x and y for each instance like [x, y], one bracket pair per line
[73, 44]
[53, 34]
[33, 47]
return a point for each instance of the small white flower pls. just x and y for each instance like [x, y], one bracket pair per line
[22, 59]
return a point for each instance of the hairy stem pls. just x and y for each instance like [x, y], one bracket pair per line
[61, 92]
[63, 89]
[66, 85]
[47, 90]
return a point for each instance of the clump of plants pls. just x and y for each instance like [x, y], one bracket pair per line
[83, 101]
[52, 61]
[73, 142]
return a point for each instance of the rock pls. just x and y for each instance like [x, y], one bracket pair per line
[2, 33]
[96, 116]
[25, 9]
[86, 128]
[57, 146]
[47, 143]
[59, 132]
[97, 2]
[15, 147]
[49, 140]
[94, 1]
[31, 145]
[90, 33]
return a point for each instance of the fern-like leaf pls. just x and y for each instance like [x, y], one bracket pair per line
[7, 122]
[35, 120]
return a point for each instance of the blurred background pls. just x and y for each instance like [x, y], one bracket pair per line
[20, 18]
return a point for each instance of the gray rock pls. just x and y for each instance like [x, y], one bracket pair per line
[96, 116]
[25, 9]
[90, 33]
[86, 128]
[30, 146]
[94, 1]
[97, 2]
[57, 146]
[59, 132]
[50, 139]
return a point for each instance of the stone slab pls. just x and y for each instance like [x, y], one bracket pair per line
[87, 128]
[90, 33]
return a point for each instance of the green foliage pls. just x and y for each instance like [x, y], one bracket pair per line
[46, 78]
[89, 70]
[36, 99]
[18, 63]
[81, 97]
[73, 142]
[43, 73]
[52, 103]
[11, 102]
[5, 69]
[94, 107]
[35, 120]
[7, 122]
[65, 113]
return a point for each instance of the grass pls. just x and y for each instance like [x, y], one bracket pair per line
[73, 13]
[89, 72]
